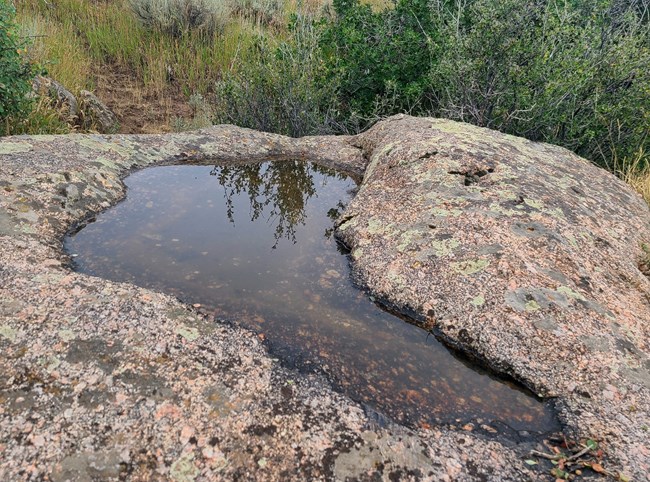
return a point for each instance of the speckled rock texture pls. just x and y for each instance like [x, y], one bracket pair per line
[520, 254]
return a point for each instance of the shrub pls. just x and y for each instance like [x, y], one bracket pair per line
[570, 73]
[201, 115]
[273, 87]
[177, 17]
[15, 71]
[574, 73]
[380, 58]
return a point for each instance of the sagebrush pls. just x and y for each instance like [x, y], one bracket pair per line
[274, 89]
[177, 17]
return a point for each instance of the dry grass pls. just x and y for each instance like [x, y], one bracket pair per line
[636, 173]
[640, 181]
[44, 118]
[56, 47]
[78, 40]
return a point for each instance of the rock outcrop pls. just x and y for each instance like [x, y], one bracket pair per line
[520, 254]
[88, 111]
[96, 114]
[61, 96]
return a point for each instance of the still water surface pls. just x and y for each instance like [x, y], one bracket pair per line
[254, 244]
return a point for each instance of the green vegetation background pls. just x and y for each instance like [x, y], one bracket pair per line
[574, 72]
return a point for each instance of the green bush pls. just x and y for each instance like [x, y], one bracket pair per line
[15, 71]
[201, 115]
[574, 73]
[381, 59]
[273, 88]
[569, 73]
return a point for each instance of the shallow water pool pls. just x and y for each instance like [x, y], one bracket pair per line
[255, 244]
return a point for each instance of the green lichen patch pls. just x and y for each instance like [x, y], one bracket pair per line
[396, 278]
[470, 267]
[375, 226]
[190, 334]
[8, 148]
[406, 239]
[506, 194]
[556, 213]
[565, 290]
[27, 229]
[176, 313]
[534, 203]
[107, 163]
[444, 247]
[446, 212]
[101, 145]
[50, 363]
[8, 333]
[499, 209]
[67, 335]
[572, 240]
[477, 301]
[534, 299]
[184, 469]
[532, 305]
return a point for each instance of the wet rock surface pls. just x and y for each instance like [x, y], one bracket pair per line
[521, 254]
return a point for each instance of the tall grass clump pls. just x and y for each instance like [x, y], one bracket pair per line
[57, 48]
[260, 12]
[44, 116]
[636, 173]
[107, 31]
[273, 87]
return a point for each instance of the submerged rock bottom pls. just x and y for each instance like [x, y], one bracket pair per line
[104, 380]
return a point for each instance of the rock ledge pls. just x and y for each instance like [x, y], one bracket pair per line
[521, 253]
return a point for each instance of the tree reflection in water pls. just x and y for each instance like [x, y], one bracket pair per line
[278, 191]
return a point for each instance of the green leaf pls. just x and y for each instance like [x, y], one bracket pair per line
[592, 444]
[530, 462]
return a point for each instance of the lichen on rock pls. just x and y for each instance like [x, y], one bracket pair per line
[521, 254]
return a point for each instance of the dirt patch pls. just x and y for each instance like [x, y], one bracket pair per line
[139, 110]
